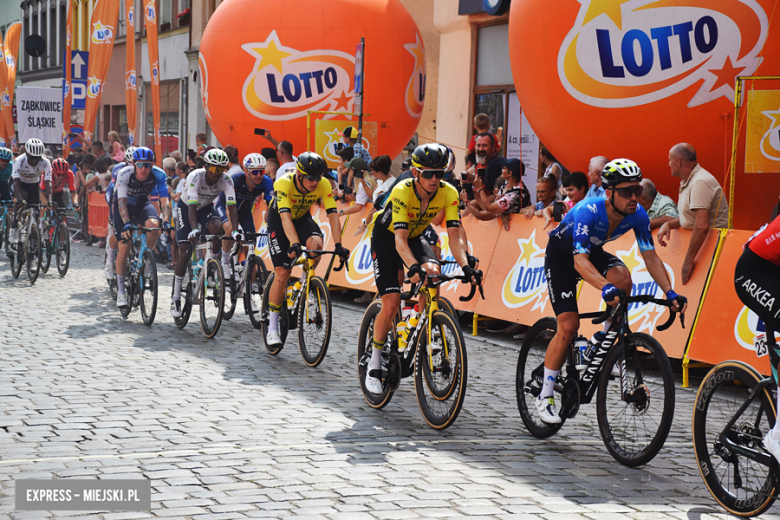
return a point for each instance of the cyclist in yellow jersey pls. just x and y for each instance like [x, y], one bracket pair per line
[397, 243]
[290, 224]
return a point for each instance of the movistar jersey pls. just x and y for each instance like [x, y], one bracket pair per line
[244, 196]
[288, 199]
[587, 224]
[5, 173]
[403, 209]
[31, 174]
[136, 191]
[198, 192]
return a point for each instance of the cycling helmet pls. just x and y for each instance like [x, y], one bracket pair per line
[60, 166]
[6, 154]
[34, 147]
[430, 156]
[143, 153]
[216, 157]
[310, 163]
[254, 161]
[620, 170]
[451, 161]
[129, 154]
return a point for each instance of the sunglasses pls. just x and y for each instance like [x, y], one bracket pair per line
[257, 172]
[630, 190]
[216, 169]
[311, 178]
[144, 165]
[429, 174]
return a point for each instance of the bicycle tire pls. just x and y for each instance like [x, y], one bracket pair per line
[314, 328]
[112, 285]
[365, 343]
[63, 255]
[530, 376]
[211, 298]
[148, 287]
[283, 318]
[46, 248]
[231, 298]
[4, 231]
[186, 297]
[17, 257]
[33, 246]
[446, 306]
[717, 401]
[254, 290]
[635, 432]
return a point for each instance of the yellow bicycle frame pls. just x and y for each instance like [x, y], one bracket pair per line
[431, 295]
[307, 264]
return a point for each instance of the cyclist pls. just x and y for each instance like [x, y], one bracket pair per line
[249, 185]
[757, 281]
[27, 171]
[61, 176]
[134, 185]
[6, 169]
[195, 211]
[111, 242]
[575, 252]
[398, 244]
[290, 224]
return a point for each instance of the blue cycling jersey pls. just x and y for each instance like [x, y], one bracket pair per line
[587, 224]
[245, 197]
[5, 173]
[137, 191]
[116, 169]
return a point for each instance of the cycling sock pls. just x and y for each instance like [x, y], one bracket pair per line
[111, 254]
[226, 257]
[273, 317]
[376, 355]
[776, 429]
[120, 282]
[177, 281]
[548, 389]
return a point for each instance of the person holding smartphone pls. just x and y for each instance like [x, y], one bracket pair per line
[363, 182]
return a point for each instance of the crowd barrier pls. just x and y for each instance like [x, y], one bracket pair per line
[97, 213]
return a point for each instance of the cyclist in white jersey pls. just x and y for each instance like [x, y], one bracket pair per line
[26, 175]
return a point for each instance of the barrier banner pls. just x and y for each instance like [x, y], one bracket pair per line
[360, 264]
[131, 89]
[645, 318]
[67, 88]
[150, 20]
[5, 113]
[327, 137]
[11, 50]
[39, 111]
[328, 242]
[101, 44]
[762, 142]
[726, 327]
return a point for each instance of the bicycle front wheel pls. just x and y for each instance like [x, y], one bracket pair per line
[46, 248]
[253, 291]
[743, 486]
[392, 374]
[634, 427]
[231, 296]
[284, 318]
[441, 371]
[62, 250]
[314, 322]
[211, 298]
[148, 288]
[17, 257]
[33, 246]
[186, 298]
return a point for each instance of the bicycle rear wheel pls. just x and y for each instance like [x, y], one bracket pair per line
[18, 256]
[148, 288]
[314, 322]
[231, 296]
[741, 485]
[284, 318]
[186, 298]
[62, 250]
[33, 246]
[212, 298]
[391, 371]
[46, 249]
[440, 377]
[254, 289]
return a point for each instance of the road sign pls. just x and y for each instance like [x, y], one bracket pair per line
[359, 68]
[79, 65]
[79, 98]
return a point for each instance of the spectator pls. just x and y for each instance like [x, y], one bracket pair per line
[199, 162]
[342, 172]
[200, 143]
[269, 153]
[175, 155]
[660, 208]
[380, 171]
[284, 152]
[702, 204]
[482, 126]
[350, 136]
[364, 184]
[233, 165]
[510, 198]
[100, 151]
[191, 155]
[546, 189]
[575, 187]
[117, 151]
[87, 183]
[6, 169]
[595, 167]
[271, 167]
[488, 164]
[169, 166]
[551, 164]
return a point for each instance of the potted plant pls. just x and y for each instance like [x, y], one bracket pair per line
[184, 17]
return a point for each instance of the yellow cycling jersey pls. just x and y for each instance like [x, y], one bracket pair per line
[403, 211]
[287, 198]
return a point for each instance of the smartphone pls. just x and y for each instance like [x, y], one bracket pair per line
[358, 174]
[259, 131]
[557, 211]
[337, 147]
[469, 188]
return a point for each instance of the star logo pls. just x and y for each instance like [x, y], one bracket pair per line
[611, 8]
[342, 101]
[270, 53]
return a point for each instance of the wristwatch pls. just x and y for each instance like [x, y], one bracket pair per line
[363, 222]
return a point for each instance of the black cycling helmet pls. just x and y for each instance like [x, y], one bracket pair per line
[431, 156]
[618, 171]
[310, 163]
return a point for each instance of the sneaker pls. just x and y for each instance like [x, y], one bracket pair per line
[273, 339]
[121, 301]
[545, 409]
[373, 382]
[108, 270]
[176, 308]
[101, 244]
[366, 298]
[772, 446]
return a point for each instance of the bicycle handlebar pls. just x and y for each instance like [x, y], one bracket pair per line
[642, 298]
[438, 279]
[317, 252]
[142, 229]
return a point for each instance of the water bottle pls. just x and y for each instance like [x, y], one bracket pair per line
[413, 319]
[290, 295]
[402, 332]
[581, 359]
[594, 345]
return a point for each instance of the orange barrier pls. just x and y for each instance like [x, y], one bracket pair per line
[98, 214]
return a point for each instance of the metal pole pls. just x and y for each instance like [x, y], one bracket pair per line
[360, 94]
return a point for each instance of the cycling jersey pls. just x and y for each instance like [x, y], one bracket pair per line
[116, 168]
[58, 182]
[587, 224]
[244, 196]
[287, 198]
[5, 173]
[766, 242]
[403, 211]
[198, 192]
[159, 191]
[136, 191]
[31, 174]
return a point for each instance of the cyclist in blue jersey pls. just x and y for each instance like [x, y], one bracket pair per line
[575, 252]
[111, 243]
[249, 185]
[131, 204]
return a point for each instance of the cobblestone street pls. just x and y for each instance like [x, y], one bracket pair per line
[225, 430]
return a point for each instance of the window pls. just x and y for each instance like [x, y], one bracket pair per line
[493, 66]
[121, 23]
[169, 117]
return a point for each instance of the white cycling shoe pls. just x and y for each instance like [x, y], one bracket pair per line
[176, 308]
[772, 445]
[273, 338]
[373, 383]
[121, 301]
[545, 409]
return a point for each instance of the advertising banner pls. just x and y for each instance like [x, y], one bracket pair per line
[360, 272]
[522, 143]
[11, 50]
[67, 87]
[762, 146]
[150, 20]
[6, 114]
[131, 88]
[327, 136]
[101, 43]
[39, 113]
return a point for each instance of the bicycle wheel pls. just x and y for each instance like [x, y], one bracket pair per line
[634, 430]
[364, 346]
[283, 318]
[186, 298]
[231, 296]
[446, 306]
[46, 248]
[148, 288]
[741, 485]
[62, 250]
[33, 247]
[530, 377]
[211, 298]
[254, 289]
[18, 257]
[441, 372]
[314, 322]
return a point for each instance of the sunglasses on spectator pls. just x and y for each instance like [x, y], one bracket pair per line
[144, 165]
[216, 169]
[429, 174]
[257, 172]
[630, 190]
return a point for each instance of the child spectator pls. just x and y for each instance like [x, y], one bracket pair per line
[482, 125]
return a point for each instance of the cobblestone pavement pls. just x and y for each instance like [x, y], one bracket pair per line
[225, 430]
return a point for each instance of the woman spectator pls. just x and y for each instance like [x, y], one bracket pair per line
[116, 150]
[511, 197]
[550, 163]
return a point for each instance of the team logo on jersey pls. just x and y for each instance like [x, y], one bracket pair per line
[204, 83]
[150, 12]
[130, 80]
[415, 88]
[526, 283]
[102, 33]
[361, 259]
[94, 87]
[626, 53]
[285, 82]
[747, 326]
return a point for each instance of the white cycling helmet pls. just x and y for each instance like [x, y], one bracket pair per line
[254, 161]
[34, 147]
[129, 154]
[216, 157]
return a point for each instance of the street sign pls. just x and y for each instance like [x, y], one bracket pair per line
[79, 97]
[79, 67]
[359, 68]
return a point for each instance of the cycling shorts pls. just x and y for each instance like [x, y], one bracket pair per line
[431, 236]
[245, 218]
[181, 217]
[387, 262]
[139, 214]
[61, 198]
[562, 277]
[278, 243]
[30, 192]
[5, 192]
[757, 282]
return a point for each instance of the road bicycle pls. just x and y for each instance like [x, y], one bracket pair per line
[203, 284]
[634, 410]
[246, 280]
[733, 411]
[308, 308]
[435, 353]
[141, 281]
[56, 239]
[28, 244]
